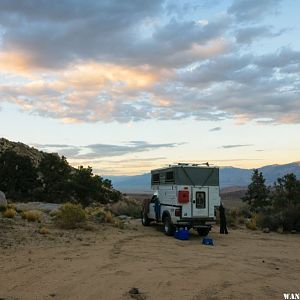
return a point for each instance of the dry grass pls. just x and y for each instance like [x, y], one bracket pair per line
[44, 230]
[108, 217]
[70, 216]
[31, 215]
[9, 213]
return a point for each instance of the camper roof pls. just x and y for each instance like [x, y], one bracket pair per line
[186, 174]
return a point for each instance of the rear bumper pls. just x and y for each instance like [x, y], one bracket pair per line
[196, 222]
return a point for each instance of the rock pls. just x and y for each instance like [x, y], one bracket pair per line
[266, 230]
[134, 291]
[3, 201]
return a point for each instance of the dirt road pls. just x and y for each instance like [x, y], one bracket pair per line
[106, 263]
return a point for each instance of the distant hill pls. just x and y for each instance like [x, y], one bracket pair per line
[229, 177]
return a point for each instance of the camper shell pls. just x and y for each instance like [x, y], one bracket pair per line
[185, 195]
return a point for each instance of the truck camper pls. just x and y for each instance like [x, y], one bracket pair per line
[185, 195]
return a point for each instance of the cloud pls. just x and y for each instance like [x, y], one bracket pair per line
[235, 146]
[215, 129]
[247, 35]
[96, 151]
[127, 32]
[105, 61]
[252, 10]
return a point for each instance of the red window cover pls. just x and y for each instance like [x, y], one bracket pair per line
[183, 196]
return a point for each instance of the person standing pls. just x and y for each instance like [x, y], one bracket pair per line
[223, 225]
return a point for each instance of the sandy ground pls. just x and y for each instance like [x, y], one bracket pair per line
[107, 262]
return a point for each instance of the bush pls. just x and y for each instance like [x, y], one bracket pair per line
[31, 215]
[234, 217]
[127, 207]
[44, 231]
[70, 216]
[291, 219]
[285, 220]
[269, 220]
[119, 224]
[9, 213]
[108, 217]
[251, 223]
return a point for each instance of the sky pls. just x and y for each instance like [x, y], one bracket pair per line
[129, 86]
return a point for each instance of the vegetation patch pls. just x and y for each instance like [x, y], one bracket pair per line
[43, 230]
[9, 213]
[70, 216]
[128, 207]
[275, 208]
[50, 178]
[251, 223]
[31, 215]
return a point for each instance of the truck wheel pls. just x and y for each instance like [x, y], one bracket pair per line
[168, 226]
[145, 219]
[203, 231]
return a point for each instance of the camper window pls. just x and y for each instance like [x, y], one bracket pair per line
[169, 177]
[200, 200]
[155, 178]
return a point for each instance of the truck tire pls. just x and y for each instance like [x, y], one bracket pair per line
[203, 231]
[145, 219]
[168, 226]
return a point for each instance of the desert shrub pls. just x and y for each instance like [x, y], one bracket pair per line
[70, 216]
[31, 215]
[291, 219]
[119, 224]
[231, 221]
[43, 230]
[12, 206]
[232, 217]
[127, 207]
[269, 220]
[108, 217]
[251, 223]
[284, 220]
[245, 212]
[9, 213]
[99, 216]
[53, 213]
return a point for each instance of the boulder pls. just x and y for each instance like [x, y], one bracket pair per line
[3, 201]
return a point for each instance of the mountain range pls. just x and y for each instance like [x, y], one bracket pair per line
[229, 177]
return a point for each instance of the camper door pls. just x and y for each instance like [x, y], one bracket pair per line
[200, 202]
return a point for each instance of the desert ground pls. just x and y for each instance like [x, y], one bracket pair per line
[107, 262]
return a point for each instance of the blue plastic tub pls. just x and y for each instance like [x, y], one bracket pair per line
[182, 234]
[207, 241]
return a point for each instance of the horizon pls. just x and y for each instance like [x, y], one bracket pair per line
[166, 165]
[127, 87]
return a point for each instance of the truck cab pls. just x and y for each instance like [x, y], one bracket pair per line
[184, 196]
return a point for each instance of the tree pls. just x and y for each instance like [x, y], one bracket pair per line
[257, 195]
[286, 192]
[55, 178]
[86, 186]
[18, 176]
